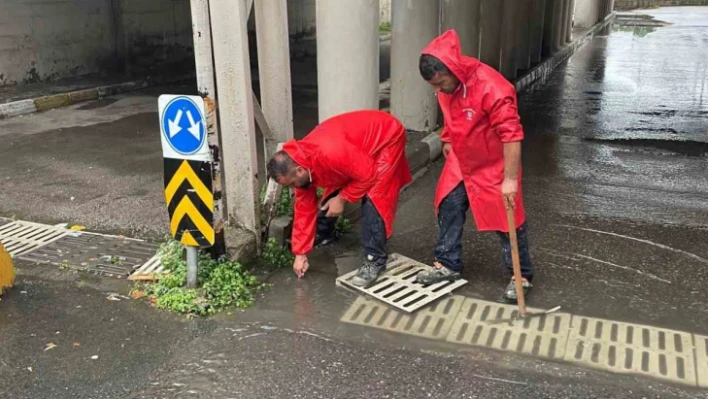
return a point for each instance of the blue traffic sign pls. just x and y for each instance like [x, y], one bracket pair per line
[183, 126]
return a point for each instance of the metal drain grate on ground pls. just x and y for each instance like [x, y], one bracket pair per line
[430, 322]
[397, 286]
[543, 336]
[151, 270]
[94, 253]
[19, 238]
[627, 348]
[702, 360]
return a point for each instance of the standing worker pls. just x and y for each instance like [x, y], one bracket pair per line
[482, 145]
[353, 156]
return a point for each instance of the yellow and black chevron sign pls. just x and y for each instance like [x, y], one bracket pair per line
[190, 201]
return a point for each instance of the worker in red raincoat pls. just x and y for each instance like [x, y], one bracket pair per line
[354, 156]
[482, 144]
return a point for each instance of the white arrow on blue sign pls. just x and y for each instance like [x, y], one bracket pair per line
[183, 127]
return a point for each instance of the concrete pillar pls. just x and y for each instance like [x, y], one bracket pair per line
[347, 56]
[509, 44]
[274, 70]
[525, 17]
[549, 27]
[538, 13]
[490, 49]
[559, 36]
[238, 131]
[610, 7]
[415, 24]
[464, 17]
[569, 29]
[587, 12]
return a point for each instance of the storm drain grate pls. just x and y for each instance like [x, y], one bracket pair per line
[397, 286]
[19, 238]
[151, 270]
[430, 322]
[543, 336]
[94, 253]
[626, 348]
[702, 360]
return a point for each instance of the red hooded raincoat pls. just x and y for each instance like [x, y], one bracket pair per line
[361, 153]
[480, 116]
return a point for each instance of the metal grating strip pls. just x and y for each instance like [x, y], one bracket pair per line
[397, 286]
[627, 348]
[543, 336]
[702, 360]
[150, 270]
[22, 237]
[431, 322]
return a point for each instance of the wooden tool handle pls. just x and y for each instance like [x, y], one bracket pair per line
[515, 261]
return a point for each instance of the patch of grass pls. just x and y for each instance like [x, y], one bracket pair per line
[343, 225]
[223, 283]
[276, 256]
[385, 27]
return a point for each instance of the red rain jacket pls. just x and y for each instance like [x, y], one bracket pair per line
[480, 116]
[361, 153]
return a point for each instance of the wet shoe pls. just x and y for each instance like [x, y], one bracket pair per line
[436, 275]
[367, 274]
[509, 295]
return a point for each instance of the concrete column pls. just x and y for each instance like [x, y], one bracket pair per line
[559, 36]
[509, 43]
[274, 70]
[549, 27]
[347, 56]
[525, 17]
[490, 49]
[569, 29]
[538, 13]
[415, 24]
[464, 17]
[610, 7]
[206, 86]
[238, 132]
[587, 13]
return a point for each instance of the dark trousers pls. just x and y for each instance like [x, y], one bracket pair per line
[373, 230]
[451, 220]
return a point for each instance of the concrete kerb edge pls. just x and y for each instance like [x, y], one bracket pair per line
[45, 103]
[543, 69]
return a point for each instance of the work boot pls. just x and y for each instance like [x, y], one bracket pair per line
[509, 295]
[367, 274]
[436, 275]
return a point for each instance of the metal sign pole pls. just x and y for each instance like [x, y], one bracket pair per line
[192, 259]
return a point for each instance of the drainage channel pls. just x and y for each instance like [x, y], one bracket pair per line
[105, 255]
[613, 346]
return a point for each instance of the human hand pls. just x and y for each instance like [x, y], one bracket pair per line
[447, 147]
[334, 207]
[300, 265]
[510, 187]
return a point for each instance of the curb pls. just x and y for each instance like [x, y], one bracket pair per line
[45, 103]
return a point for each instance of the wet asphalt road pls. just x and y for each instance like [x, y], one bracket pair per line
[615, 186]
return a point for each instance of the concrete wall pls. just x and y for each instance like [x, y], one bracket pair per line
[384, 11]
[632, 4]
[301, 18]
[587, 12]
[51, 39]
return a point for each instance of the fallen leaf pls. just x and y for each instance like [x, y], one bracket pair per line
[76, 344]
[137, 294]
[112, 298]
[77, 228]
[50, 345]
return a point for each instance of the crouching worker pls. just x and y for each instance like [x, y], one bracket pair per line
[353, 156]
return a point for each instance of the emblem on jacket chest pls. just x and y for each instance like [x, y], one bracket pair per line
[468, 113]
